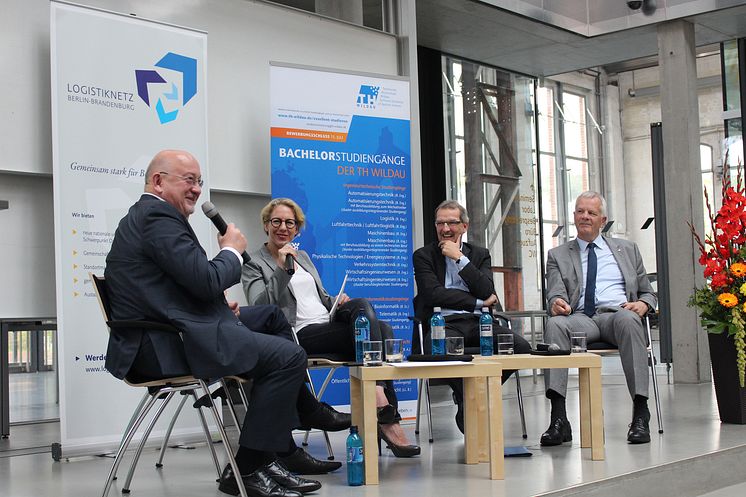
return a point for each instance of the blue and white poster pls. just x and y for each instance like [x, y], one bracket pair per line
[341, 149]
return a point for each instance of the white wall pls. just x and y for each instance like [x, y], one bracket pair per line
[243, 37]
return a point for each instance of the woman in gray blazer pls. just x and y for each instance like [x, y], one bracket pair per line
[280, 274]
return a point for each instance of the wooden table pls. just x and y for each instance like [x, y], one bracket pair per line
[490, 436]
[591, 402]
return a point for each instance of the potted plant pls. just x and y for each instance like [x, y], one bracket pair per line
[722, 300]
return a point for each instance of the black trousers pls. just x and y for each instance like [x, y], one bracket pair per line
[467, 326]
[278, 376]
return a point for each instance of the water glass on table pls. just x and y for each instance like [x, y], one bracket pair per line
[505, 344]
[578, 342]
[372, 353]
[394, 350]
[454, 345]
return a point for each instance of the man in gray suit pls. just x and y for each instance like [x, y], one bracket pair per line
[598, 286]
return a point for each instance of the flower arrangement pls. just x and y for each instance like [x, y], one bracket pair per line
[722, 301]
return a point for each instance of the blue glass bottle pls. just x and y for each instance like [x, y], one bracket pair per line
[355, 469]
[362, 333]
[485, 332]
[438, 333]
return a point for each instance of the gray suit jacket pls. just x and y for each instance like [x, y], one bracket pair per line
[264, 282]
[565, 273]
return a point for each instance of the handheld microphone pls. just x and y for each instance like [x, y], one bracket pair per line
[290, 264]
[212, 212]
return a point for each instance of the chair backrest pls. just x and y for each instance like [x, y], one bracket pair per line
[102, 295]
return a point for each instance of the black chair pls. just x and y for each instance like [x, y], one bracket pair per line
[162, 390]
[424, 384]
[608, 349]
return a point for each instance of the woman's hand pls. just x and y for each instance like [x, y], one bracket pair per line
[343, 298]
[285, 251]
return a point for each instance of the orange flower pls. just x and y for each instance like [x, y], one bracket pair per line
[727, 300]
[738, 269]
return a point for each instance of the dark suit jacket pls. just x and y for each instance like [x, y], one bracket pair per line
[156, 270]
[430, 276]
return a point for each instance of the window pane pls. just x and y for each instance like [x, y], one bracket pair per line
[546, 119]
[705, 157]
[577, 182]
[730, 62]
[576, 144]
[549, 189]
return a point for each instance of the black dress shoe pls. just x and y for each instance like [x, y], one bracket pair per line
[257, 484]
[327, 419]
[281, 475]
[559, 431]
[459, 412]
[302, 463]
[639, 430]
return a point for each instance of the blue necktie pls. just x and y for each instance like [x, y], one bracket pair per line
[589, 304]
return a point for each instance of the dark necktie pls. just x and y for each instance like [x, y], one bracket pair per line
[589, 304]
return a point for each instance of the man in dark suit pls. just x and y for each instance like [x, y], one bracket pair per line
[457, 277]
[156, 270]
[598, 286]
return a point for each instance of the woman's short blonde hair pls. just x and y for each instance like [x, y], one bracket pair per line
[300, 218]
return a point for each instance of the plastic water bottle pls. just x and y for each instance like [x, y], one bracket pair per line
[438, 333]
[362, 333]
[355, 469]
[485, 332]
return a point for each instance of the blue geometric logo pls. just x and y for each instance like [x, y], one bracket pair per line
[168, 103]
[368, 96]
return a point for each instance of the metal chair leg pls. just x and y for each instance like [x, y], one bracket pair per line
[208, 436]
[231, 406]
[429, 412]
[520, 403]
[318, 396]
[137, 410]
[419, 406]
[129, 433]
[141, 445]
[652, 361]
[226, 442]
[164, 445]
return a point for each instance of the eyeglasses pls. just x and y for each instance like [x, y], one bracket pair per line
[451, 224]
[190, 180]
[276, 222]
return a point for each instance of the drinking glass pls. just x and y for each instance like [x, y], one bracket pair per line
[394, 350]
[372, 353]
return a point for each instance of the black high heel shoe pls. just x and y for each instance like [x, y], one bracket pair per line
[398, 450]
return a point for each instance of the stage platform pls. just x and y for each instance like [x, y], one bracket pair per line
[696, 456]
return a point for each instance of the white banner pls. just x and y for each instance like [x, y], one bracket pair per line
[122, 89]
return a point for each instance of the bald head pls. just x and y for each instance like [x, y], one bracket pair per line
[174, 176]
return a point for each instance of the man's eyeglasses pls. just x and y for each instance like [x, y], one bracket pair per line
[451, 224]
[191, 180]
[276, 222]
